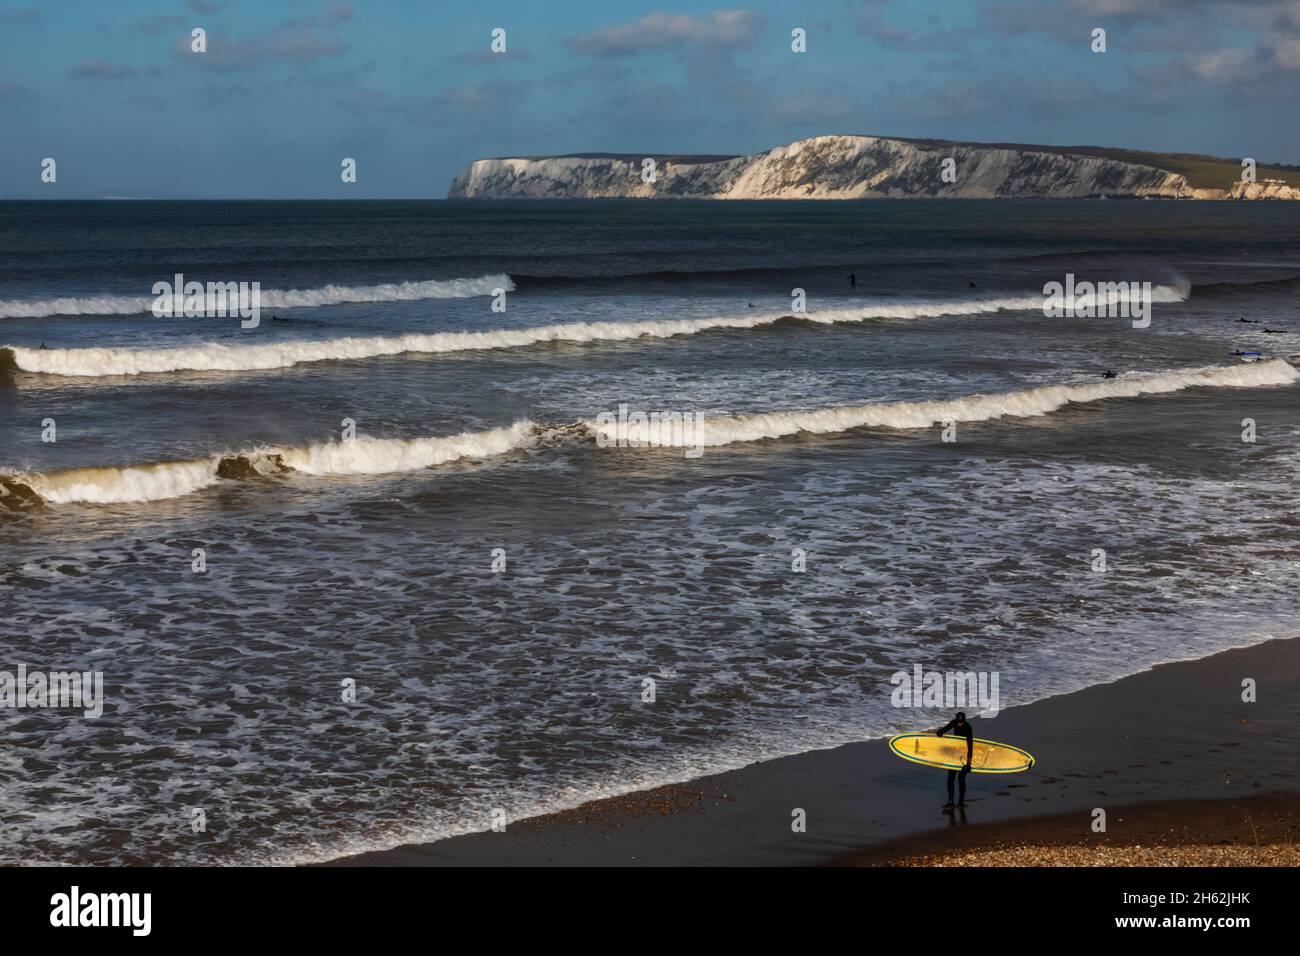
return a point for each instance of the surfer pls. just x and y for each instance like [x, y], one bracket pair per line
[1109, 373]
[853, 280]
[959, 726]
[1275, 331]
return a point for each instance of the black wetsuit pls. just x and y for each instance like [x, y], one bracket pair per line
[960, 775]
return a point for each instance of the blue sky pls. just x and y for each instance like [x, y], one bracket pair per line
[412, 92]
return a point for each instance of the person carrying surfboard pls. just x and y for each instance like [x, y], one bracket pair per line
[959, 726]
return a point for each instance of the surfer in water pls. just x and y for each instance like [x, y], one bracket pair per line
[959, 727]
[853, 280]
[1109, 373]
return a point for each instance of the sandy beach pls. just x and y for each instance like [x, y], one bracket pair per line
[1261, 830]
[1173, 755]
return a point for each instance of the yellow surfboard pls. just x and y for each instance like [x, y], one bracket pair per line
[949, 753]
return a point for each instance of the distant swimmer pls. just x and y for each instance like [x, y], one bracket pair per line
[853, 280]
[1109, 374]
[44, 347]
[959, 727]
[1275, 331]
[751, 305]
[1249, 321]
[971, 285]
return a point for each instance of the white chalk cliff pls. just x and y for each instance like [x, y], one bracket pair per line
[1264, 190]
[836, 167]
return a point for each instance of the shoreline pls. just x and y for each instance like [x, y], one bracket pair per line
[1253, 830]
[1176, 735]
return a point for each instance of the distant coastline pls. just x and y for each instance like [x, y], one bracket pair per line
[873, 167]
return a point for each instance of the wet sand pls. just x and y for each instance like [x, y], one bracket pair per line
[1176, 736]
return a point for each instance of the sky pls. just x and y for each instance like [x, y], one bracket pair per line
[411, 90]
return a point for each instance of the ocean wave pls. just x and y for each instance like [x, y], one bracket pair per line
[383, 456]
[1025, 403]
[1288, 284]
[175, 479]
[102, 362]
[379, 456]
[156, 482]
[270, 298]
[751, 274]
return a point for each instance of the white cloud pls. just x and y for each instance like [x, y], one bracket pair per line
[663, 31]
[1223, 66]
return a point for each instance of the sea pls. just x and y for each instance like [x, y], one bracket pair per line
[372, 571]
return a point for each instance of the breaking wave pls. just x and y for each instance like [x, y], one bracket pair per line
[382, 456]
[1026, 403]
[379, 456]
[174, 479]
[270, 299]
[171, 479]
[101, 362]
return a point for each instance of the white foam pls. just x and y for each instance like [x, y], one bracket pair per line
[270, 299]
[364, 456]
[98, 362]
[171, 479]
[713, 432]
[378, 456]
[381, 456]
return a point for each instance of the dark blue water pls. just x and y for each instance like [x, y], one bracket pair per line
[372, 559]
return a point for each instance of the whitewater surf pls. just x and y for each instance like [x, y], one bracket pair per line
[414, 291]
[209, 357]
[381, 456]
